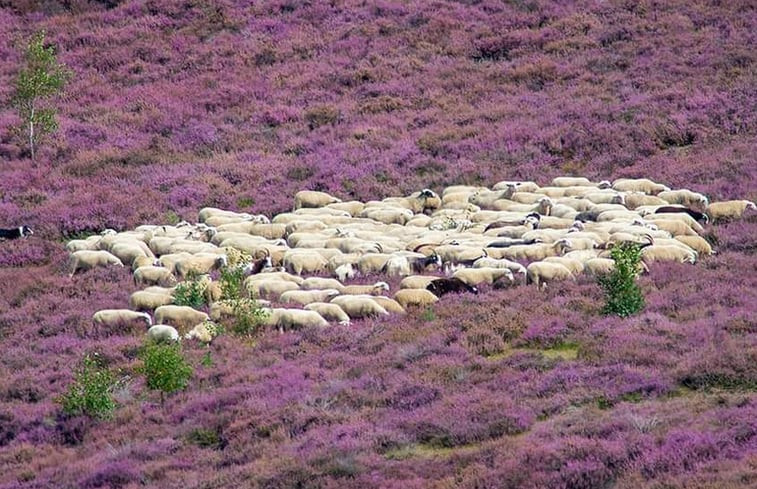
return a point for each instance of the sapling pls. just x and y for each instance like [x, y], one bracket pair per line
[623, 296]
[91, 392]
[164, 367]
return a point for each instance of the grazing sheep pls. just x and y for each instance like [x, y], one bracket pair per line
[152, 275]
[540, 273]
[578, 181]
[417, 281]
[319, 283]
[312, 198]
[358, 307]
[729, 209]
[372, 263]
[299, 262]
[643, 185]
[674, 227]
[533, 252]
[488, 262]
[271, 288]
[294, 319]
[477, 276]
[181, 317]
[597, 267]
[443, 286]
[391, 306]
[119, 317]
[88, 259]
[668, 253]
[638, 199]
[575, 266]
[163, 332]
[685, 197]
[329, 311]
[199, 264]
[414, 297]
[345, 271]
[696, 243]
[91, 243]
[127, 252]
[205, 332]
[304, 297]
[144, 261]
[376, 289]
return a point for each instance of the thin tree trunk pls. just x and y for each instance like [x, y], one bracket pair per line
[31, 134]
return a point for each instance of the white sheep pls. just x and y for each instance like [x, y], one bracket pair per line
[294, 319]
[312, 198]
[119, 317]
[685, 197]
[320, 283]
[358, 307]
[668, 253]
[304, 297]
[643, 185]
[391, 306]
[152, 275]
[416, 281]
[414, 297]
[199, 264]
[729, 209]
[329, 311]
[345, 271]
[484, 275]
[540, 273]
[181, 317]
[204, 332]
[163, 332]
[299, 262]
[696, 243]
[375, 289]
[88, 259]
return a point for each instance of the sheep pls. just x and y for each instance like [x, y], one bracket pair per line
[487, 262]
[267, 231]
[575, 266]
[299, 262]
[271, 288]
[88, 259]
[163, 332]
[685, 197]
[345, 271]
[329, 311]
[312, 198]
[127, 252]
[697, 243]
[118, 317]
[391, 306]
[414, 297]
[668, 253]
[372, 263]
[684, 217]
[477, 276]
[152, 275]
[358, 307]
[443, 286]
[597, 267]
[643, 185]
[317, 283]
[417, 281]
[729, 209]
[280, 275]
[604, 197]
[542, 207]
[674, 227]
[204, 332]
[405, 265]
[578, 181]
[540, 273]
[91, 243]
[304, 297]
[638, 199]
[388, 215]
[181, 317]
[144, 261]
[419, 202]
[526, 186]
[199, 264]
[376, 289]
[352, 207]
[533, 252]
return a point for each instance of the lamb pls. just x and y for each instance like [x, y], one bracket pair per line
[443, 286]
[358, 307]
[329, 311]
[181, 317]
[376, 289]
[312, 198]
[729, 209]
[540, 273]
[88, 259]
[304, 297]
[643, 185]
[152, 275]
[200, 263]
[162, 332]
[477, 276]
[414, 297]
[118, 317]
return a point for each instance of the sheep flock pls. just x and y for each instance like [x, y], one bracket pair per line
[308, 262]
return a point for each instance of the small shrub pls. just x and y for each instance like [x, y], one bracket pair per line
[623, 296]
[321, 116]
[164, 368]
[190, 292]
[247, 313]
[91, 393]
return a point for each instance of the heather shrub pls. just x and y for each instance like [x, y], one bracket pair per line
[164, 367]
[91, 393]
[623, 296]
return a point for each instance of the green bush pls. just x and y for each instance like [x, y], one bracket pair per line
[248, 315]
[190, 292]
[164, 367]
[623, 296]
[91, 393]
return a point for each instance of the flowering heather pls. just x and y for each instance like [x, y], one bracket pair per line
[176, 105]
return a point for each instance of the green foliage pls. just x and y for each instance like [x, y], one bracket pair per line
[623, 296]
[247, 313]
[191, 292]
[164, 367]
[91, 393]
[41, 78]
